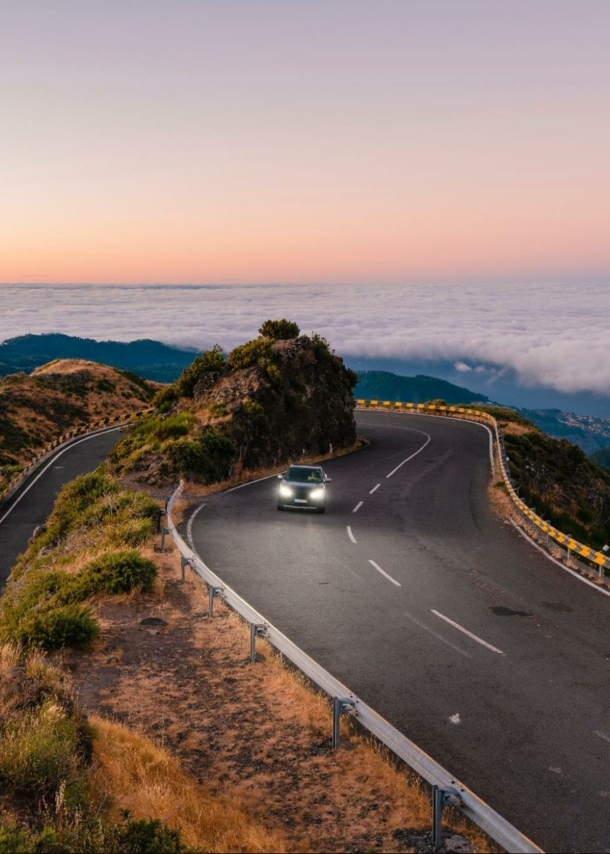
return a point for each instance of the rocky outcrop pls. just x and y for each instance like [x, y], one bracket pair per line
[296, 400]
[270, 402]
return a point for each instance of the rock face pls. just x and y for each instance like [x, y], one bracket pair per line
[295, 400]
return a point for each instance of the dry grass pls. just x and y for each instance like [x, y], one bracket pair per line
[511, 427]
[9, 658]
[145, 779]
[256, 735]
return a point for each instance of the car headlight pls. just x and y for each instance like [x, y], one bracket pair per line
[316, 493]
[285, 491]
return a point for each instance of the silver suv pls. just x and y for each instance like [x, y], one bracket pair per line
[304, 487]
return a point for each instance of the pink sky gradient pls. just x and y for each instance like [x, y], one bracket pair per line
[290, 141]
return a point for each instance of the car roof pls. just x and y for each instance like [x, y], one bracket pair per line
[303, 466]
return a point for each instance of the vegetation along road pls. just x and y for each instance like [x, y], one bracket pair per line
[415, 594]
[31, 504]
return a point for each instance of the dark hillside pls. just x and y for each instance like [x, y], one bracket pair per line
[602, 458]
[562, 483]
[383, 385]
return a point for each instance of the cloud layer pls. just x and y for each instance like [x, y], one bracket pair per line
[553, 336]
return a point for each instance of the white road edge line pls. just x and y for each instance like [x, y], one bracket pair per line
[411, 457]
[466, 632]
[374, 489]
[351, 536]
[358, 506]
[52, 462]
[189, 527]
[250, 482]
[577, 575]
[383, 572]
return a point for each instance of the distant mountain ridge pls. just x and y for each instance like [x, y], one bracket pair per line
[149, 359]
[383, 385]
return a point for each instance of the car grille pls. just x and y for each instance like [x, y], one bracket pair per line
[301, 492]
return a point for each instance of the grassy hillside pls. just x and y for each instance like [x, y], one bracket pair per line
[274, 399]
[60, 396]
[149, 359]
[383, 385]
[69, 783]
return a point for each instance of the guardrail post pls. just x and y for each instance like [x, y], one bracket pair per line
[160, 514]
[341, 705]
[440, 798]
[164, 531]
[256, 630]
[184, 562]
[213, 593]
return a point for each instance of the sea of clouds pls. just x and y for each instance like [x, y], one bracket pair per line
[556, 336]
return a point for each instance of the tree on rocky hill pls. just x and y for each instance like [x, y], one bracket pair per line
[280, 330]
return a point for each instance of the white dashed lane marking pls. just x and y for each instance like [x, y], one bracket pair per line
[358, 506]
[351, 536]
[466, 632]
[374, 489]
[384, 573]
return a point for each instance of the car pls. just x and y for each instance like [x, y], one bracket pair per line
[303, 487]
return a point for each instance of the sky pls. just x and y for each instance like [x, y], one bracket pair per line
[300, 142]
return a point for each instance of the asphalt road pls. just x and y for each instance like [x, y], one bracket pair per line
[440, 616]
[31, 504]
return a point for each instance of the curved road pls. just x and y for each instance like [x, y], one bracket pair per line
[31, 504]
[439, 615]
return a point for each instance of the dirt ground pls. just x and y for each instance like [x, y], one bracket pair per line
[255, 732]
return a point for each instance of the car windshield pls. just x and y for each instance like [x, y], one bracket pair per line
[302, 474]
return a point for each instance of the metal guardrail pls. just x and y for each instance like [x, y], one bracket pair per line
[447, 789]
[601, 560]
[64, 439]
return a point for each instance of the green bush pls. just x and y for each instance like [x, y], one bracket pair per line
[40, 750]
[47, 610]
[54, 628]
[250, 354]
[174, 426]
[217, 409]
[210, 361]
[118, 572]
[148, 836]
[279, 329]
[76, 833]
[209, 458]
[165, 398]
